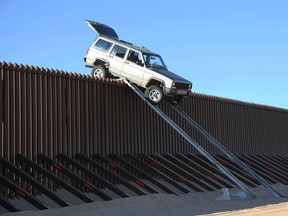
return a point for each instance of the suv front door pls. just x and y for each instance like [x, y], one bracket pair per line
[133, 68]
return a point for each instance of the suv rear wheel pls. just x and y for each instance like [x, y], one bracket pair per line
[99, 71]
[154, 94]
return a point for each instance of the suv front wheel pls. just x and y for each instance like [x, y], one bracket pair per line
[154, 94]
[99, 72]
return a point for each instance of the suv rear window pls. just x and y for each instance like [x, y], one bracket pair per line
[103, 45]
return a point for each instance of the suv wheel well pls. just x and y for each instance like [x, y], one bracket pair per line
[154, 82]
[99, 62]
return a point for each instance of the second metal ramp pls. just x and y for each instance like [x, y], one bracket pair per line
[227, 153]
[192, 142]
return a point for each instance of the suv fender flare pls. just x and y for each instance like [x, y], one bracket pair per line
[102, 62]
[153, 81]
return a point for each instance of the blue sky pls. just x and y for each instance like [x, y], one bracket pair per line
[228, 48]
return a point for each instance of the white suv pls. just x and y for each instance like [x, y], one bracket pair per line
[110, 57]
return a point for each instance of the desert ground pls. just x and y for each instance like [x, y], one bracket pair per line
[186, 204]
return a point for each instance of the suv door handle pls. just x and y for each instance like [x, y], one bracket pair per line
[126, 62]
[111, 56]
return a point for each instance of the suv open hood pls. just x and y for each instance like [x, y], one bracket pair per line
[102, 30]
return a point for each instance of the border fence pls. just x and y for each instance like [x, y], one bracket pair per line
[51, 112]
[77, 139]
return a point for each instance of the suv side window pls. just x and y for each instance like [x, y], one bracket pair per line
[135, 57]
[103, 45]
[118, 51]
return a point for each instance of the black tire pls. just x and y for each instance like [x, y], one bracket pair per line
[175, 100]
[154, 94]
[99, 72]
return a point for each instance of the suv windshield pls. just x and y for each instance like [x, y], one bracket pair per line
[153, 60]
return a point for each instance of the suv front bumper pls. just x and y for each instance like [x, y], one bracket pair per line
[172, 91]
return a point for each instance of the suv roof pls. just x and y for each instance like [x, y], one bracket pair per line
[132, 46]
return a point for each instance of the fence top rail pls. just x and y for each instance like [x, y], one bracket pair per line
[56, 72]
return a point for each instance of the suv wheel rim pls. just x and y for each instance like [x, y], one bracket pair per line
[98, 73]
[154, 95]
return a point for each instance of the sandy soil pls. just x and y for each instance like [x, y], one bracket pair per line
[186, 205]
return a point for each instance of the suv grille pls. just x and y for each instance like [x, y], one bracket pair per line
[182, 86]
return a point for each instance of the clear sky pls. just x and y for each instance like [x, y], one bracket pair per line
[228, 48]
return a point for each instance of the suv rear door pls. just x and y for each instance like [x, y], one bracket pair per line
[116, 59]
[102, 30]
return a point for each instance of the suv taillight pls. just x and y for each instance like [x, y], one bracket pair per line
[87, 52]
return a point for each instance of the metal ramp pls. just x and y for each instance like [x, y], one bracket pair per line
[214, 142]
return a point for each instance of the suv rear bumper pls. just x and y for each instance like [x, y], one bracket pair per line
[172, 91]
